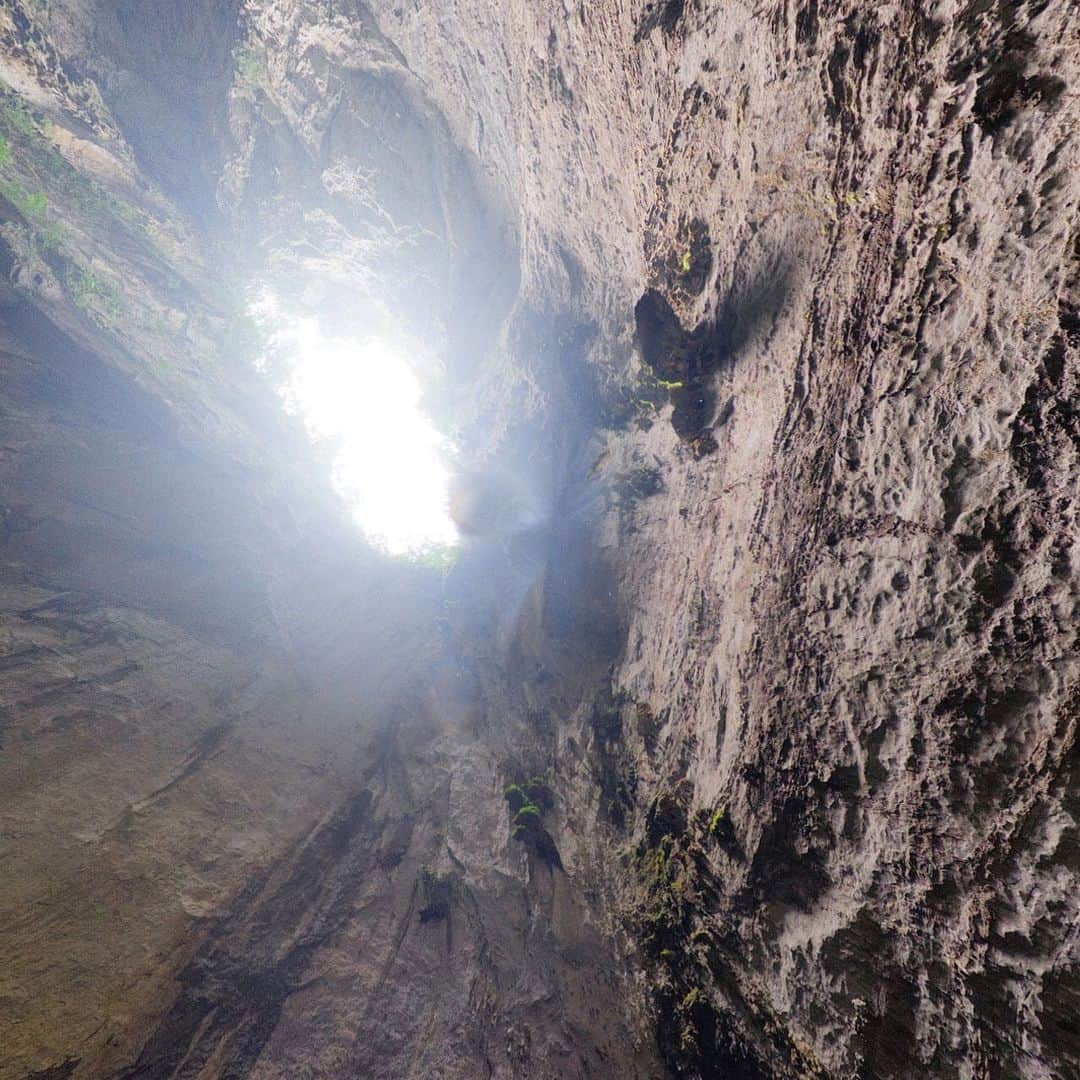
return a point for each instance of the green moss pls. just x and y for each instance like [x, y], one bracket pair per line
[698, 1035]
[47, 236]
[688, 1040]
[36, 204]
[535, 792]
[251, 69]
[527, 802]
[29, 204]
[18, 116]
[528, 815]
[658, 867]
[539, 792]
[52, 236]
[53, 179]
[691, 1008]
[92, 294]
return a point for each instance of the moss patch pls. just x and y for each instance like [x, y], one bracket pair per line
[527, 801]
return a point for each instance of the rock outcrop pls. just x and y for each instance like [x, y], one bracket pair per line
[752, 753]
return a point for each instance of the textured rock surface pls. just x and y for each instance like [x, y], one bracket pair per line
[775, 311]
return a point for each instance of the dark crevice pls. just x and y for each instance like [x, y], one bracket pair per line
[686, 363]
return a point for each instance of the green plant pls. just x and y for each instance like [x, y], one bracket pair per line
[64, 189]
[532, 792]
[527, 803]
[52, 236]
[250, 69]
[18, 116]
[84, 201]
[32, 206]
[526, 820]
[539, 792]
[680, 930]
[634, 403]
[91, 294]
[29, 204]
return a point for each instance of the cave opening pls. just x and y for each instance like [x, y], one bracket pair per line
[361, 403]
[538, 540]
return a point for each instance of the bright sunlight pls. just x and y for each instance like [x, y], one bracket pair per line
[362, 400]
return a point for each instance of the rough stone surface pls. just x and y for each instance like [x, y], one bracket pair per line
[770, 316]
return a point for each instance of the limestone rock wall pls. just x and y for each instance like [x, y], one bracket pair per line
[773, 311]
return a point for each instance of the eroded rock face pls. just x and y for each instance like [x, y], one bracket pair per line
[773, 312]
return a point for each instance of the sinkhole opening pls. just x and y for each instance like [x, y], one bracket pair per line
[360, 401]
